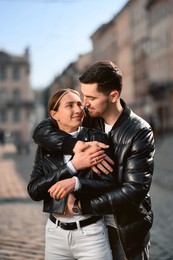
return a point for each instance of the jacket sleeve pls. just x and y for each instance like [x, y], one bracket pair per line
[41, 181]
[93, 187]
[46, 136]
[136, 182]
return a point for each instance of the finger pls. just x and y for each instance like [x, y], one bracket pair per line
[96, 159]
[102, 145]
[51, 191]
[94, 168]
[109, 160]
[53, 188]
[59, 195]
[104, 167]
[98, 153]
[54, 194]
[100, 158]
[62, 195]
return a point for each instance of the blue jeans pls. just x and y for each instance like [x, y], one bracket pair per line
[89, 242]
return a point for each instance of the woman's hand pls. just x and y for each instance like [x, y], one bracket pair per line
[62, 188]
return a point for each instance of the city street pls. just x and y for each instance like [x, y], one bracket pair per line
[22, 220]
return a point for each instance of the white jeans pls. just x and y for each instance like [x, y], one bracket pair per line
[90, 242]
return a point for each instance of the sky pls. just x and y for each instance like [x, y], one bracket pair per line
[56, 32]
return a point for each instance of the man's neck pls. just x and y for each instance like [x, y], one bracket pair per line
[113, 113]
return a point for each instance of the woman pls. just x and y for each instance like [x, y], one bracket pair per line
[71, 236]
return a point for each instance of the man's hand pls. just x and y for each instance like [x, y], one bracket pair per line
[91, 155]
[94, 146]
[87, 158]
[62, 188]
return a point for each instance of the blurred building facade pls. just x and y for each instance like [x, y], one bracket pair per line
[141, 43]
[139, 39]
[16, 99]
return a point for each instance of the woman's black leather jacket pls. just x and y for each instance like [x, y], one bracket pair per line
[133, 145]
[49, 168]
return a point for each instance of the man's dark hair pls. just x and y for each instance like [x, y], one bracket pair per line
[106, 74]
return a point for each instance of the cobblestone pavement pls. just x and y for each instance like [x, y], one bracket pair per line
[161, 195]
[22, 221]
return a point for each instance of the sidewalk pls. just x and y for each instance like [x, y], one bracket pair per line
[11, 185]
[21, 220]
[163, 173]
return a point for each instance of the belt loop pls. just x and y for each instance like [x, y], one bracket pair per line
[57, 223]
[78, 224]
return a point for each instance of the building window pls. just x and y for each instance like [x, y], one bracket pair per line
[3, 73]
[16, 73]
[16, 95]
[17, 139]
[16, 115]
[3, 116]
[3, 95]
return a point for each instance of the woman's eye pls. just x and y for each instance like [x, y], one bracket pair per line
[69, 105]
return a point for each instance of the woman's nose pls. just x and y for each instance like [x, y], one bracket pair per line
[79, 109]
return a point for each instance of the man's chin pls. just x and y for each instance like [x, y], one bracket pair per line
[92, 114]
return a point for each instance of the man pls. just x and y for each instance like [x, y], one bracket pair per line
[133, 145]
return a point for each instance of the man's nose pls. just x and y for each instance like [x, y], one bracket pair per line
[85, 102]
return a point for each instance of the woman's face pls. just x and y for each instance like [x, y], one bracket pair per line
[70, 114]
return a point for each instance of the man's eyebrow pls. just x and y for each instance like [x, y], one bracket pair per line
[89, 96]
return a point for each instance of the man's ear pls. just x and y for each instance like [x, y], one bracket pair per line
[114, 95]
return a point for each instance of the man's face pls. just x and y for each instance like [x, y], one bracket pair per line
[97, 102]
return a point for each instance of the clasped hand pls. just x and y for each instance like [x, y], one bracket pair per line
[92, 155]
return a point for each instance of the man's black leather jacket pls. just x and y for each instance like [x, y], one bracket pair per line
[133, 145]
[49, 168]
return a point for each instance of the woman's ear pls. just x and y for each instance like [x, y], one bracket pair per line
[114, 95]
[53, 114]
